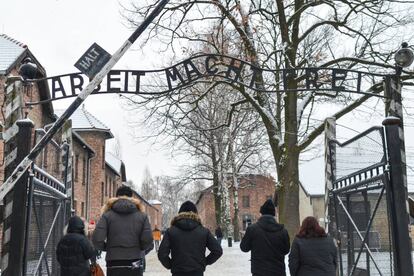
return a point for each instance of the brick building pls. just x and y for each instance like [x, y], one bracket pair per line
[153, 209]
[96, 173]
[254, 190]
[12, 55]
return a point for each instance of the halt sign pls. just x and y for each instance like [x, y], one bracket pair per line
[92, 61]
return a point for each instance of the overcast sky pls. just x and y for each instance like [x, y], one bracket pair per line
[58, 32]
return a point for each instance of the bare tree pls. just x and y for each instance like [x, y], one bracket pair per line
[116, 148]
[148, 188]
[173, 193]
[289, 34]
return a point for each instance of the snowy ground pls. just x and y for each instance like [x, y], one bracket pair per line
[232, 263]
[236, 263]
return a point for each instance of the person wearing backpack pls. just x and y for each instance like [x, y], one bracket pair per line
[268, 242]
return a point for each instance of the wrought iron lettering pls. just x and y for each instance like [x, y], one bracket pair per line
[328, 81]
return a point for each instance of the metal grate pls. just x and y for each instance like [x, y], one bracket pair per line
[360, 216]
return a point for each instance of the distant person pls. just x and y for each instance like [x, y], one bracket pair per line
[124, 232]
[156, 235]
[312, 253]
[74, 250]
[183, 247]
[268, 242]
[219, 234]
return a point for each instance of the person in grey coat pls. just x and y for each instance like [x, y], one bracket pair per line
[124, 232]
[312, 252]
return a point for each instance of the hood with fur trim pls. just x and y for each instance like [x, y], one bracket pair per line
[186, 221]
[123, 205]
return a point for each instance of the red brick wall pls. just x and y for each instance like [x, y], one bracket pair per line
[155, 215]
[112, 183]
[257, 187]
[80, 176]
[36, 113]
[96, 140]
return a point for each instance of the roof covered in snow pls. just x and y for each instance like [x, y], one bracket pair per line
[83, 120]
[114, 162]
[10, 51]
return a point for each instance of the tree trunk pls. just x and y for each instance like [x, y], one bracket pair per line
[228, 227]
[236, 226]
[216, 181]
[217, 196]
[288, 193]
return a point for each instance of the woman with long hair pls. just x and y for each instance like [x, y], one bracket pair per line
[312, 251]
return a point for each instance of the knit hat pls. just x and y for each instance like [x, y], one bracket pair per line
[124, 191]
[268, 208]
[188, 206]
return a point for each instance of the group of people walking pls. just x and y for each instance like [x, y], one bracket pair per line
[125, 234]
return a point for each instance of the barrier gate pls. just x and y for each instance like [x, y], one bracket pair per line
[369, 224]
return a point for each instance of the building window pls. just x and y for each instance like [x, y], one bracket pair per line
[85, 172]
[103, 157]
[83, 209]
[102, 193]
[246, 201]
[45, 156]
[57, 161]
[106, 186]
[76, 167]
[75, 206]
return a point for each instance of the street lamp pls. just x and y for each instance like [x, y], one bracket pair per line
[404, 57]
[28, 70]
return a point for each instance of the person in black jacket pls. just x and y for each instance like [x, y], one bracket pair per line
[313, 253]
[219, 234]
[268, 242]
[74, 250]
[187, 241]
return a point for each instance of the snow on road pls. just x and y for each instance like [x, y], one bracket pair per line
[232, 263]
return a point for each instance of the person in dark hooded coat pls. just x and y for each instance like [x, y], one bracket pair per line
[268, 242]
[186, 240]
[124, 232]
[74, 250]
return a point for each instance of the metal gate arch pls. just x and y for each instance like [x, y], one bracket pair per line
[363, 206]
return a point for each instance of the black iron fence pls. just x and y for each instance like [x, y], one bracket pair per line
[361, 206]
[46, 221]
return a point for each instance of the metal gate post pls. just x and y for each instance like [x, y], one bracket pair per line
[398, 198]
[330, 134]
[15, 217]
